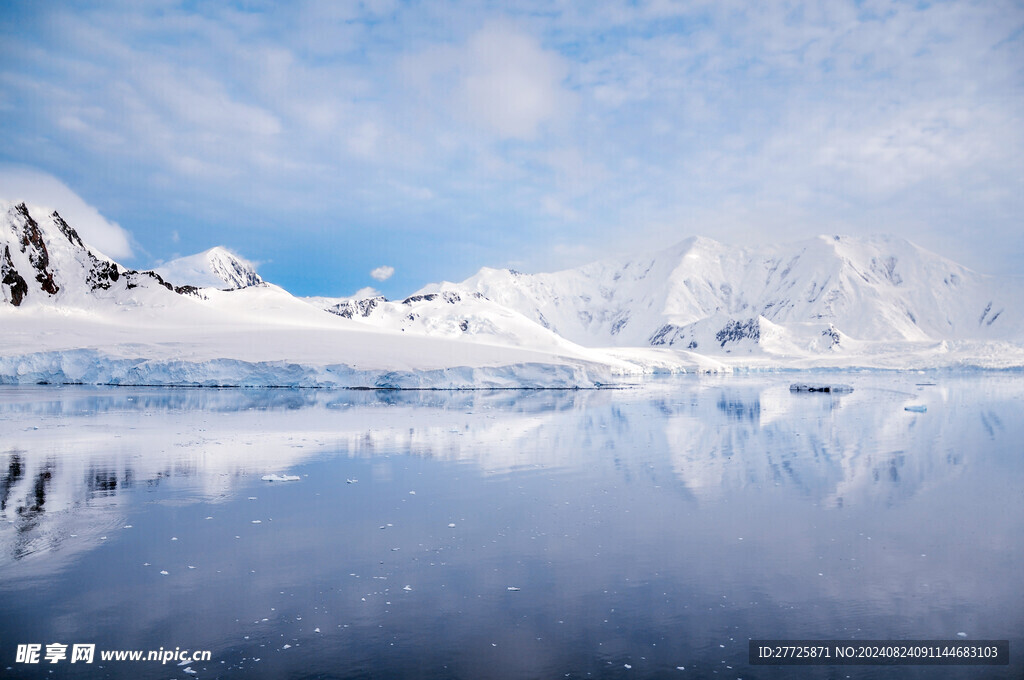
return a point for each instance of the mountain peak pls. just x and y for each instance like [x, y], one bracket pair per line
[43, 258]
[217, 267]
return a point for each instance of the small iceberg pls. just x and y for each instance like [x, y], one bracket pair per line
[281, 478]
[916, 408]
[806, 387]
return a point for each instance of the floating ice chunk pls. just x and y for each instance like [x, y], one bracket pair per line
[916, 408]
[412, 493]
[287, 647]
[351, 481]
[281, 478]
[191, 567]
[451, 525]
[409, 588]
[513, 589]
[316, 630]
[189, 670]
[257, 521]
[164, 573]
[806, 387]
[961, 634]
[626, 666]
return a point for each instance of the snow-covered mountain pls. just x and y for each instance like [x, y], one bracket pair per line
[44, 261]
[815, 295]
[70, 314]
[215, 268]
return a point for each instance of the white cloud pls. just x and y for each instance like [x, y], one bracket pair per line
[19, 183]
[382, 273]
[501, 79]
[364, 293]
[552, 206]
[511, 83]
[363, 140]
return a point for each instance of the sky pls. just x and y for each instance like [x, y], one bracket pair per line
[384, 145]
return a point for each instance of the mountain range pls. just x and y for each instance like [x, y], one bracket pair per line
[70, 314]
[830, 294]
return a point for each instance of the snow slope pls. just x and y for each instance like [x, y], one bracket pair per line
[215, 268]
[448, 313]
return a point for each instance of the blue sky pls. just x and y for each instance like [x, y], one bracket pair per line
[327, 140]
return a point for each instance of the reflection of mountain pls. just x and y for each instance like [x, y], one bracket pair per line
[71, 458]
[836, 449]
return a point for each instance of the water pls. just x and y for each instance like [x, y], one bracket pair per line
[653, 528]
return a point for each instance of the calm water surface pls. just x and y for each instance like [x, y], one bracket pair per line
[640, 533]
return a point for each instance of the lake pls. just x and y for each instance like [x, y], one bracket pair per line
[636, 533]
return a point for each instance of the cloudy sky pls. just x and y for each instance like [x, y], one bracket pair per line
[388, 144]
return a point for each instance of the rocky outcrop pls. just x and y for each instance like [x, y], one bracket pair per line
[34, 246]
[734, 331]
[357, 308]
[67, 230]
[14, 286]
[134, 279]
